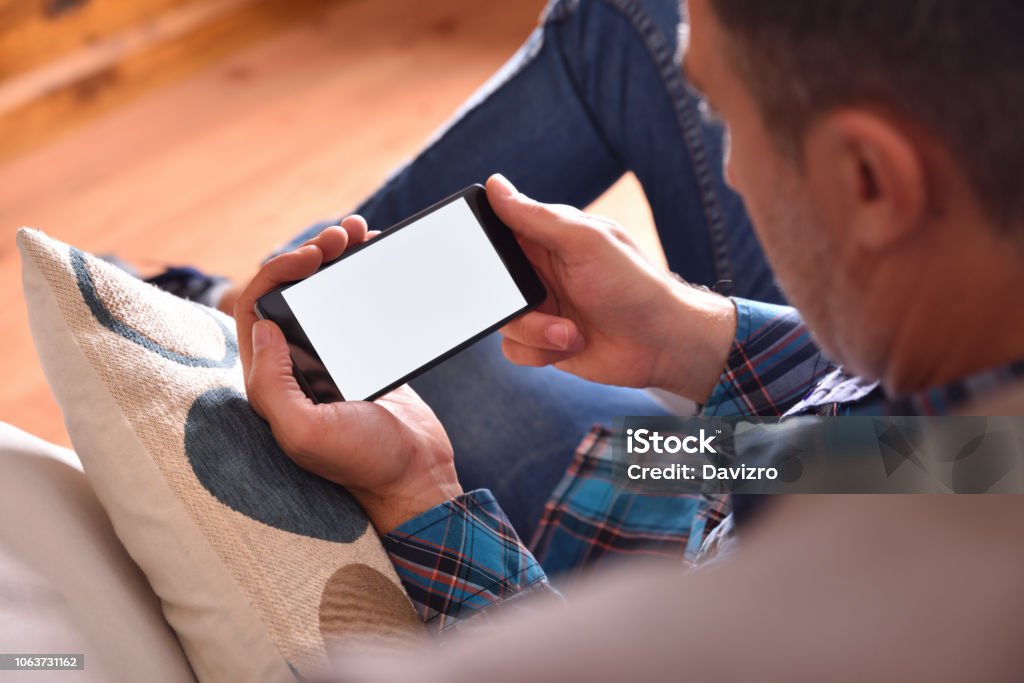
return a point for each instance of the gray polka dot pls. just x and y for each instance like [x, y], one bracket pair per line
[234, 455]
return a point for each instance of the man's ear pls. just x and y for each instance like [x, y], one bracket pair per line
[866, 176]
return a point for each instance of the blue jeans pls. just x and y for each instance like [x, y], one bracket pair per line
[597, 90]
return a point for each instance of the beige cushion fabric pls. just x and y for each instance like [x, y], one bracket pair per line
[247, 552]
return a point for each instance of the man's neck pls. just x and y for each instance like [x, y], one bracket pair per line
[962, 317]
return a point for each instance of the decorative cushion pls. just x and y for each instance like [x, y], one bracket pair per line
[261, 566]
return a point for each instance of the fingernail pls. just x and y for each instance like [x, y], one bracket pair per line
[558, 335]
[506, 187]
[260, 336]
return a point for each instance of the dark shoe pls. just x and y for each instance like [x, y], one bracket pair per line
[192, 284]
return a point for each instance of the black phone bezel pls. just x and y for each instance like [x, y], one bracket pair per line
[307, 366]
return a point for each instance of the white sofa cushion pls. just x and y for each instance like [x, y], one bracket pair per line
[66, 583]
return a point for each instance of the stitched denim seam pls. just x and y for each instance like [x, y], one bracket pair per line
[668, 71]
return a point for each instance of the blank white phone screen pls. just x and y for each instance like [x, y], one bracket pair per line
[396, 305]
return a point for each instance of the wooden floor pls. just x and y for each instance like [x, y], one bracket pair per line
[218, 169]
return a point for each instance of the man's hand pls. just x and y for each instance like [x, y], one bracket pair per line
[393, 455]
[611, 315]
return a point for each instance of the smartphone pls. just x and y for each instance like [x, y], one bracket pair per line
[395, 306]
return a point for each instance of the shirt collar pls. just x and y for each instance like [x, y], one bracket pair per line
[840, 393]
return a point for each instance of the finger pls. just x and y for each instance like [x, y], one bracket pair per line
[226, 305]
[356, 228]
[543, 331]
[332, 241]
[287, 267]
[555, 227]
[271, 388]
[520, 354]
[270, 385]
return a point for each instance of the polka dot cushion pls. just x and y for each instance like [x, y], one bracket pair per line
[263, 568]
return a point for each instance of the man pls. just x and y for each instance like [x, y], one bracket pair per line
[894, 227]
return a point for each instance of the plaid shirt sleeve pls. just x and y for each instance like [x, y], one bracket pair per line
[772, 365]
[461, 558]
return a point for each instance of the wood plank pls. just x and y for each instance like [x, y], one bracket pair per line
[35, 33]
[40, 105]
[104, 55]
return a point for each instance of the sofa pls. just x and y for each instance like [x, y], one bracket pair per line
[67, 585]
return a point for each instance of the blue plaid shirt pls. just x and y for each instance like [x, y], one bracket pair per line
[461, 559]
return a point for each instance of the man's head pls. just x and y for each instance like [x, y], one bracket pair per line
[879, 148]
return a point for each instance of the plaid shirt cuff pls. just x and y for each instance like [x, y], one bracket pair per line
[460, 558]
[773, 363]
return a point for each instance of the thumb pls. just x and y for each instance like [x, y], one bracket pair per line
[555, 227]
[270, 385]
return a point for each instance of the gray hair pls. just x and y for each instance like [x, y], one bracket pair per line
[955, 68]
